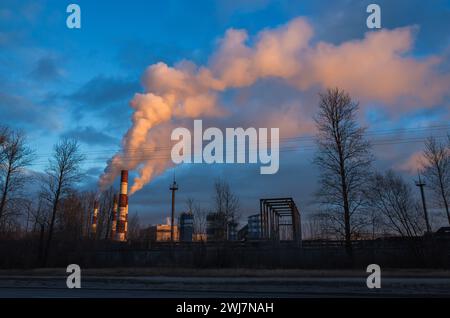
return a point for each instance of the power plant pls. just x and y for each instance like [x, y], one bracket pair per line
[279, 220]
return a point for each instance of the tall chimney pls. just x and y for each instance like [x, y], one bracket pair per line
[94, 220]
[123, 208]
[114, 217]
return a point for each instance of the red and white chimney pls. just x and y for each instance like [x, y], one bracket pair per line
[114, 217]
[94, 220]
[121, 232]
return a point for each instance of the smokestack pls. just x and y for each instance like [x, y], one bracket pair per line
[94, 220]
[121, 232]
[114, 217]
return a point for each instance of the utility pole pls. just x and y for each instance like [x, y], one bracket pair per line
[421, 185]
[173, 188]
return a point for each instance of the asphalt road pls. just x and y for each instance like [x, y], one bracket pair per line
[221, 287]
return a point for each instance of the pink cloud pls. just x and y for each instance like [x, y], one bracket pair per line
[413, 164]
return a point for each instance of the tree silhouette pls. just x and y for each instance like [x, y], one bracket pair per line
[437, 170]
[62, 174]
[343, 156]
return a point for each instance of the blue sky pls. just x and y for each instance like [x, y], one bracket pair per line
[57, 82]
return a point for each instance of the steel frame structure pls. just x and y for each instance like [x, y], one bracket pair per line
[275, 209]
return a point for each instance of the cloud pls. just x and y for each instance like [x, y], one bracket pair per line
[31, 11]
[339, 21]
[5, 14]
[413, 164]
[136, 54]
[19, 111]
[225, 9]
[378, 68]
[94, 171]
[90, 136]
[102, 90]
[7, 38]
[46, 69]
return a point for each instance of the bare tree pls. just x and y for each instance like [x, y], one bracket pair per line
[392, 198]
[4, 132]
[88, 200]
[333, 224]
[343, 156]
[106, 213]
[317, 226]
[62, 174]
[199, 214]
[226, 205]
[134, 227]
[39, 214]
[437, 170]
[16, 157]
[70, 217]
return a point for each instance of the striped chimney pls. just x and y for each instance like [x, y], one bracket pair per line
[94, 220]
[114, 216]
[121, 231]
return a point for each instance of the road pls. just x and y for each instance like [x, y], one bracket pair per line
[221, 287]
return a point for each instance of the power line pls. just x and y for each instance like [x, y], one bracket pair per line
[150, 155]
[284, 139]
[145, 155]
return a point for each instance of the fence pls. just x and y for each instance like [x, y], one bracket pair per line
[400, 253]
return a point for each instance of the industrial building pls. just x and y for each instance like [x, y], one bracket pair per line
[186, 227]
[252, 230]
[242, 234]
[199, 237]
[160, 232]
[184, 232]
[232, 231]
[254, 227]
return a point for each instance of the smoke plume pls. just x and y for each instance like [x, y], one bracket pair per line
[376, 68]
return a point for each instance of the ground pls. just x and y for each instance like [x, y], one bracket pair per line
[226, 283]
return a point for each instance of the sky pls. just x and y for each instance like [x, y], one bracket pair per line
[256, 63]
